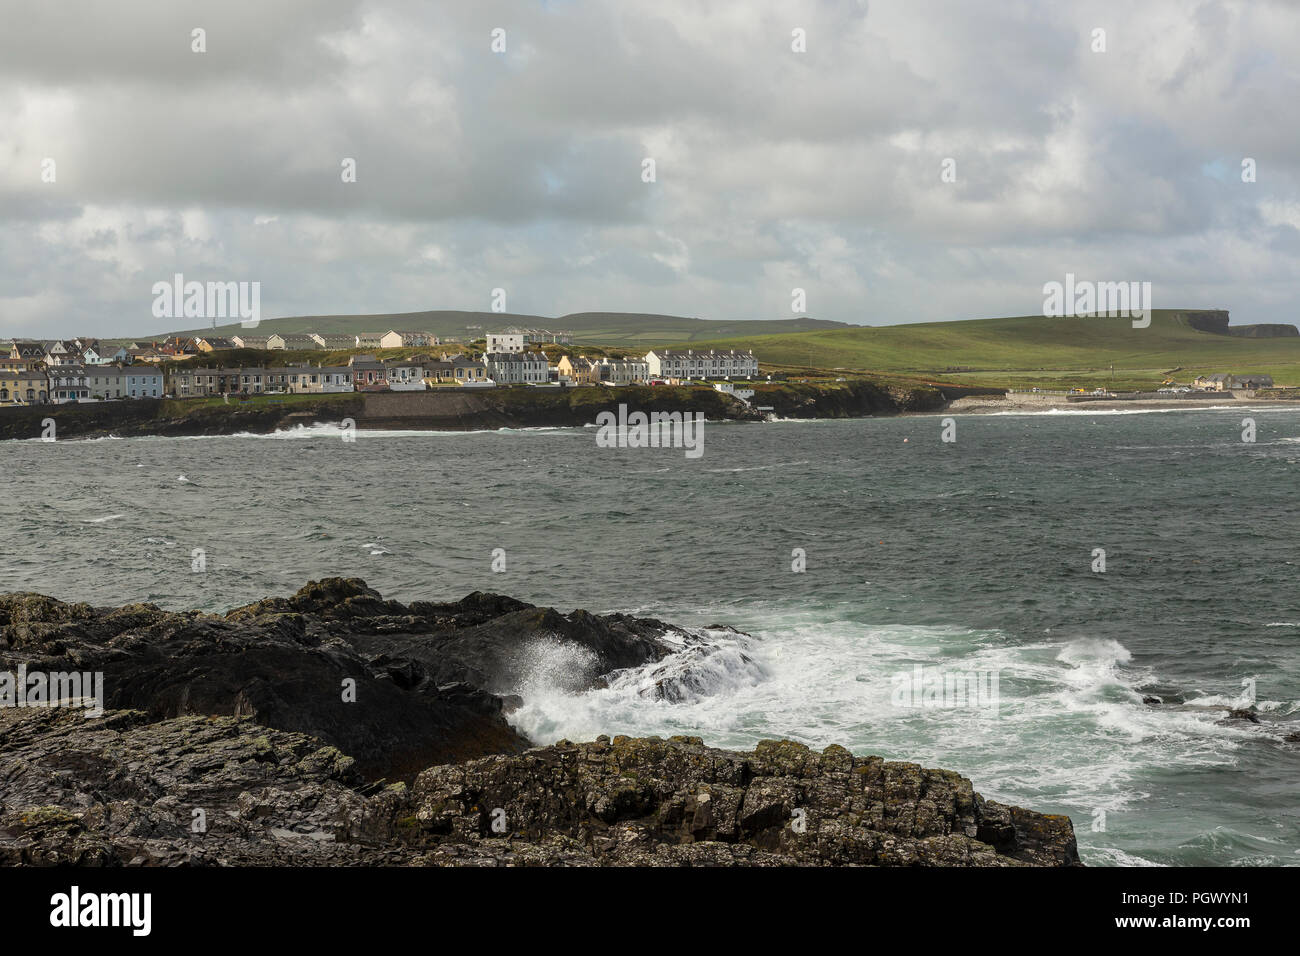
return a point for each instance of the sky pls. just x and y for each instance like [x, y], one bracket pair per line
[897, 160]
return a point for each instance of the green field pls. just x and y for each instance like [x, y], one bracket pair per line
[1029, 351]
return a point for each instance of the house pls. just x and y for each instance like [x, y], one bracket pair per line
[213, 343]
[368, 340]
[404, 375]
[336, 378]
[685, 364]
[249, 341]
[90, 355]
[409, 340]
[623, 371]
[578, 370]
[368, 373]
[23, 386]
[67, 384]
[504, 342]
[60, 352]
[144, 382]
[309, 379]
[729, 388]
[290, 341]
[144, 355]
[1252, 381]
[517, 368]
[543, 336]
[30, 352]
[334, 343]
[194, 382]
[1221, 381]
[457, 370]
[108, 381]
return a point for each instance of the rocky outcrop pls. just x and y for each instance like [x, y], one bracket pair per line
[172, 418]
[336, 727]
[398, 687]
[124, 789]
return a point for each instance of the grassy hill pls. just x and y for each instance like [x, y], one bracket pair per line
[1029, 350]
[630, 329]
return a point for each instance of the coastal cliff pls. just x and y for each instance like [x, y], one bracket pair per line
[471, 409]
[337, 727]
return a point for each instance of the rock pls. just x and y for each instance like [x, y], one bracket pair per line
[1243, 714]
[432, 682]
[336, 727]
[1152, 700]
[124, 789]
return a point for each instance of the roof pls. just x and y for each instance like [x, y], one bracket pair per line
[692, 354]
[499, 358]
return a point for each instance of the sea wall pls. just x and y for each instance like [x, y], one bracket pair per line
[525, 407]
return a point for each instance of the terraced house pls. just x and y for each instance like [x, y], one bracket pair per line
[308, 379]
[67, 384]
[198, 382]
[622, 371]
[671, 364]
[578, 370]
[23, 386]
[517, 368]
[457, 370]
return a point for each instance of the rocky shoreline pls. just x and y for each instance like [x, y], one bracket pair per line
[467, 409]
[336, 727]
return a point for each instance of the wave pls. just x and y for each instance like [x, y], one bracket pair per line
[1128, 411]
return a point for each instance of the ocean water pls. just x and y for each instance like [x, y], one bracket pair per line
[974, 557]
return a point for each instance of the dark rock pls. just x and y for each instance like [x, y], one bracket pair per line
[125, 789]
[1152, 700]
[1243, 714]
[427, 677]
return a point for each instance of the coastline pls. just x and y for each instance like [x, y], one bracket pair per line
[403, 769]
[458, 410]
[990, 406]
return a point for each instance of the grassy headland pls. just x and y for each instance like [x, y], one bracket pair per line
[1027, 351]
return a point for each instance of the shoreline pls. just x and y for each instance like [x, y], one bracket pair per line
[467, 411]
[982, 406]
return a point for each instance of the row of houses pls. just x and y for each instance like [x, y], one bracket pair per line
[392, 339]
[365, 373]
[59, 384]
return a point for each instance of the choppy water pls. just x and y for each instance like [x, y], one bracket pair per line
[974, 556]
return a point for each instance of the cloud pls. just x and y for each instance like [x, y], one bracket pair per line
[522, 169]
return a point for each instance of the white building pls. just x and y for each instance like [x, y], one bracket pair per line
[67, 384]
[728, 388]
[406, 340]
[688, 363]
[404, 375]
[504, 342]
[517, 368]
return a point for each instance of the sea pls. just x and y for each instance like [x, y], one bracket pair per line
[1010, 603]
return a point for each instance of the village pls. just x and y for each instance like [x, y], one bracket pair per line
[59, 371]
